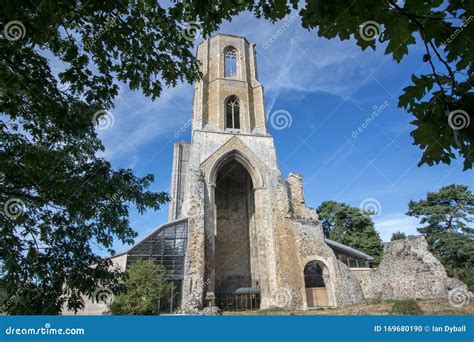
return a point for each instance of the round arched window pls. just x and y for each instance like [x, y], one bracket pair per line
[313, 275]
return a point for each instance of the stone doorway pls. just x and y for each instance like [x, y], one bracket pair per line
[234, 204]
[315, 284]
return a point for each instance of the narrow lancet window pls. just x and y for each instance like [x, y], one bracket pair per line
[230, 62]
[232, 113]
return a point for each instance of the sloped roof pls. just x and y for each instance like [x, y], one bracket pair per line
[348, 249]
[156, 230]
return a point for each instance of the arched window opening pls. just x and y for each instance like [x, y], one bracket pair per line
[232, 113]
[313, 275]
[230, 62]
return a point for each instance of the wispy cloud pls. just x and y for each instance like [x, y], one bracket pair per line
[139, 121]
[298, 60]
[386, 225]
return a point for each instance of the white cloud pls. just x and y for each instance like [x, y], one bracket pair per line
[297, 60]
[138, 120]
[386, 225]
[291, 58]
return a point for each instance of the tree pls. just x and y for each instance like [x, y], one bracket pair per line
[60, 199]
[61, 202]
[350, 226]
[447, 214]
[441, 101]
[3, 296]
[398, 236]
[144, 286]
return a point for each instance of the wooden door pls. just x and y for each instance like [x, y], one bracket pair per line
[317, 296]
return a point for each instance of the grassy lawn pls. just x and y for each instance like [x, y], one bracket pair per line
[378, 307]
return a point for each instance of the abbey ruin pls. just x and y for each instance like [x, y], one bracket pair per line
[238, 230]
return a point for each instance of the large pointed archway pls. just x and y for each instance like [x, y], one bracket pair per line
[232, 263]
[234, 214]
[236, 182]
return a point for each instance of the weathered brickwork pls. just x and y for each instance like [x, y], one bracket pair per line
[248, 227]
[282, 234]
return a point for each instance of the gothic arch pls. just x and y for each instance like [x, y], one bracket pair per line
[235, 149]
[242, 159]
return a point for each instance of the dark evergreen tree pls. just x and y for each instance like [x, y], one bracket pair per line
[398, 236]
[448, 215]
[350, 226]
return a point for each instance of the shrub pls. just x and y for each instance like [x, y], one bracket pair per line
[144, 286]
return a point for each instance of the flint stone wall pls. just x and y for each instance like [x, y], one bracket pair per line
[407, 270]
[342, 286]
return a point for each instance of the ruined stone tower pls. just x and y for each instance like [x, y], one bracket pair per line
[239, 231]
[249, 230]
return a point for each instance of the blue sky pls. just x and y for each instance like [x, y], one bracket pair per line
[329, 88]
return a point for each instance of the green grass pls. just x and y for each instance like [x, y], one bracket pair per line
[376, 301]
[406, 307]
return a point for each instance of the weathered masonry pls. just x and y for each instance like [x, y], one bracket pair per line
[241, 231]
[251, 239]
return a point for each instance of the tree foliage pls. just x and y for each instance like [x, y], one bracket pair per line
[442, 100]
[144, 286]
[350, 226]
[62, 198]
[448, 215]
[398, 236]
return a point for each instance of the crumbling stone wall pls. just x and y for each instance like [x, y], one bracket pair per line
[342, 286]
[407, 270]
[297, 202]
[286, 292]
[194, 282]
[364, 276]
[348, 289]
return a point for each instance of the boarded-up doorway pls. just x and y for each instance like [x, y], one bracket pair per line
[316, 293]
